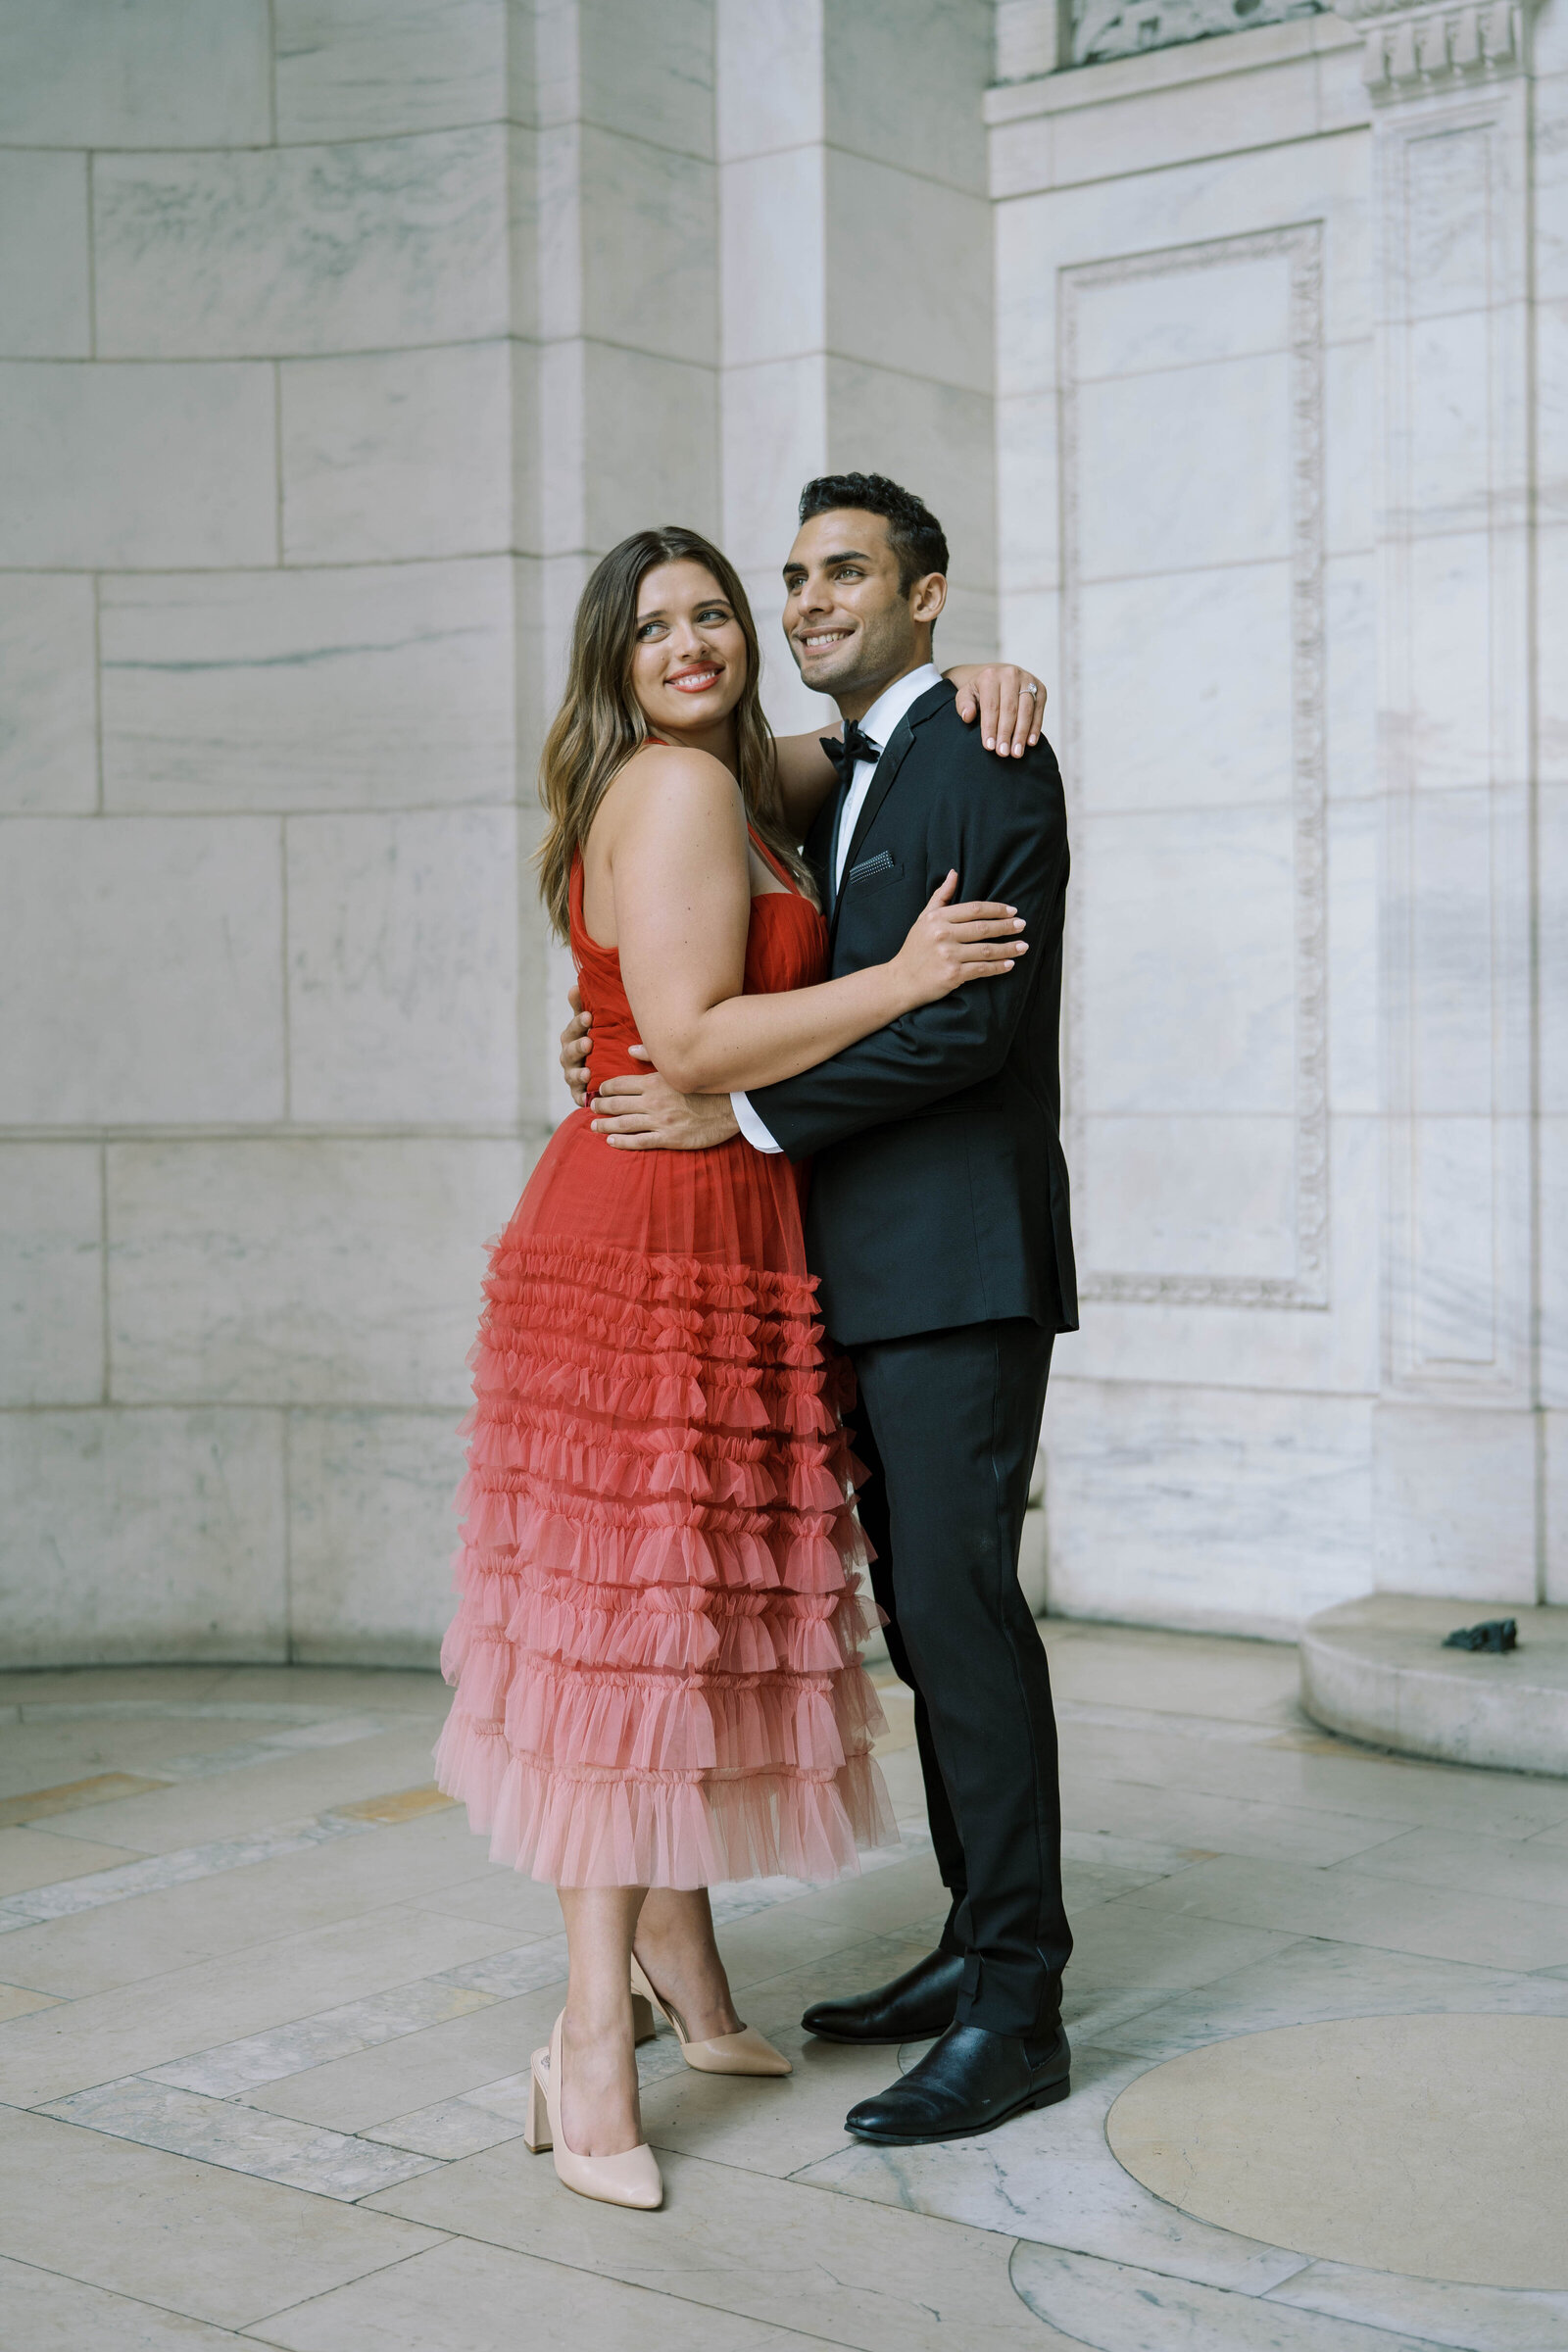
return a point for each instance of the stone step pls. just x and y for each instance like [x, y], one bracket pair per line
[1377, 1670]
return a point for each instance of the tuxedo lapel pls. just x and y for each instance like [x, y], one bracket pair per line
[900, 743]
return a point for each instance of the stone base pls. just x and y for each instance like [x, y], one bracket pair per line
[1377, 1670]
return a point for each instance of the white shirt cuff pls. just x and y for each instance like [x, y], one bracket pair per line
[749, 1125]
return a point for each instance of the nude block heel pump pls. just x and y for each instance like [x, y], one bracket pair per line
[747, 2052]
[629, 2178]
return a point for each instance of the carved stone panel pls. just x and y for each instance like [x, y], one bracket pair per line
[1103, 28]
[1193, 621]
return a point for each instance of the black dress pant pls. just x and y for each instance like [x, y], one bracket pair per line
[948, 1423]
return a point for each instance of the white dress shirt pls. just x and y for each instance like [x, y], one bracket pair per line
[879, 722]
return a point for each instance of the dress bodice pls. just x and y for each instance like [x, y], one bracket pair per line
[786, 946]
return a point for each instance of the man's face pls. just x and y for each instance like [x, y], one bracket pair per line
[850, 626]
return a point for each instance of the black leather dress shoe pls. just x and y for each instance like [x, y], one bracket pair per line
[919, 2003]
[969, 2082]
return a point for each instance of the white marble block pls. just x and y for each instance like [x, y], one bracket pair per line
[376, 686]
[301, 1271]
[372, 1535]
[645, 71]
[1455, 1502]
[772, 244]
[366, 69]
[651, 428]
[397, 454]
[48, 694]
[1552, 1132]
[903, 81]
[142, 1536]
[908, 288]
[136, 468]
[1552, 589]
[934, 437]
[150, 954]
[768, 83]
[1187, 695]
[403, 967]
[647, 230]
[368, 245]
[161, 73]
[1205, 1506]
[775, 438]
[1192, 657]
[51, 1274]
[44, 311]
[1554, 1428]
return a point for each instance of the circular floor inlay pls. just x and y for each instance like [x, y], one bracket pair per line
[1432, 2146]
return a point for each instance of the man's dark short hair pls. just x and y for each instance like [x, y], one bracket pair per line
[914, 534]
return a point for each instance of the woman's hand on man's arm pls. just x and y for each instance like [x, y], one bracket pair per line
[1010, 702]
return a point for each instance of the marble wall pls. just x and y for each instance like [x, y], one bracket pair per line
[1266, 488]
[856, 320]
[337, 339]
[263, 633]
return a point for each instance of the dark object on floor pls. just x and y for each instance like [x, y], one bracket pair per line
[1498, 1635]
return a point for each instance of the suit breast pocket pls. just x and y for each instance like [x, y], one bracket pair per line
[874, 873]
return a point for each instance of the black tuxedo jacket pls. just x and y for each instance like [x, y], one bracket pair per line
[939, 1190]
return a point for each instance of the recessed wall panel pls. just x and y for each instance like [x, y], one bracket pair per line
[1192, 626]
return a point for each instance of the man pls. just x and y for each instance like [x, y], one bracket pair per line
[938, 1224]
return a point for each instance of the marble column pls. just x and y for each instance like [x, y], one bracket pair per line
[857, 275]
[1457, 1431]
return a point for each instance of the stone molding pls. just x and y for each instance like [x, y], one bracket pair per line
[1445, 47]
[1302, 248]
[1412, 50]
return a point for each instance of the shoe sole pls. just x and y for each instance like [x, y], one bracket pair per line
[1051, 2096]
[878, 2041]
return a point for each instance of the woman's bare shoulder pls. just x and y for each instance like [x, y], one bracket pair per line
[668, 784]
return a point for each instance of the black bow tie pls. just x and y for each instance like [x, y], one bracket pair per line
[846, 755]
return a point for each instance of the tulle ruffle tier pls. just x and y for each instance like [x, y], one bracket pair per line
[657, 1649]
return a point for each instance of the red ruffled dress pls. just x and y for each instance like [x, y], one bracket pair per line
[657, 1652]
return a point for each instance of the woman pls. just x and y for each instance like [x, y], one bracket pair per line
[657, 1649]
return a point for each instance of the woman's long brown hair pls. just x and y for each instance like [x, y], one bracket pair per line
[601, 722]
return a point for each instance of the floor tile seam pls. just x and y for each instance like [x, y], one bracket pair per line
[48, 2269]
[390, 1992]
[441, 2237]
[25, 1828]
[242, 2172]
[483, 2000]
[1243, 2294]
[475, 2237]
[1487, 1894]
[1361, 1935]
[1170, 1722]
[95, 2130]
[241, 2094]
[332, 1822]
[332, 1831]
[177, 2057]
[1331, 1872]
[1371, 2328]
[1271, 1804]
[1322, 2311]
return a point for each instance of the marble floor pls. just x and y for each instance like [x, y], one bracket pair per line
[266, 2012]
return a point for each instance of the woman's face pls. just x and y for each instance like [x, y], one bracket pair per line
[688, 668]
